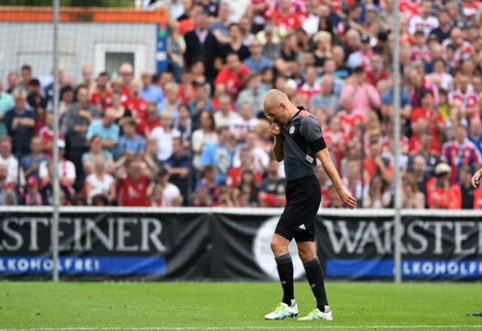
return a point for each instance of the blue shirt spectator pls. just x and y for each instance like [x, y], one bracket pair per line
[405, 100]
[149, 91]
[6, 103]
[30, 163]
[219, 154]
[130, 141]
[258, 65]
[106, 129]
[20, 123]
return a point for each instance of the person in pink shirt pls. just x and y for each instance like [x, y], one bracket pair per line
[365, 96]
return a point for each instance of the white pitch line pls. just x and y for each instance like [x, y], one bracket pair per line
[214, 328]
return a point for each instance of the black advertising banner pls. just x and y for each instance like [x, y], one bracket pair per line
[216, 245]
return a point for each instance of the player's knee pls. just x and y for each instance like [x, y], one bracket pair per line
[306, 256]
[278, 247]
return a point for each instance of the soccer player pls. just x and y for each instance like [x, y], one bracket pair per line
[297, 134]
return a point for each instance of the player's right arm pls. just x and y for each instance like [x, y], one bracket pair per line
[476, 178]
[278, 142]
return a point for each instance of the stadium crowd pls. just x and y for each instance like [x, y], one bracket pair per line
[196, 134]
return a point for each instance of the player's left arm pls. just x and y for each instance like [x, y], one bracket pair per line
[311, 131]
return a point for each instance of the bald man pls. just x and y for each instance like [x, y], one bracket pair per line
[298, 142]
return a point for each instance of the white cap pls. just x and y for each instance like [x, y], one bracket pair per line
[60, 143]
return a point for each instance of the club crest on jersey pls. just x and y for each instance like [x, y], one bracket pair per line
[292, 129]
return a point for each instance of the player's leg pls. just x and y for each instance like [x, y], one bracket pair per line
[314, 274]
[288, 306]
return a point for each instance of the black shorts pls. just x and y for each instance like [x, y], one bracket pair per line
[303, 197]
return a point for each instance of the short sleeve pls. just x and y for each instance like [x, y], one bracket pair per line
[310, 129]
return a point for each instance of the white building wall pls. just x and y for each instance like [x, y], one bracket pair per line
[32, 43]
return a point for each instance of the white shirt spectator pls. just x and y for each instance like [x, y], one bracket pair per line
[222, 120]
[104, 185]
[426, 25]
[260, 159]
[12, 166]
[164, 142]
[240, 126]
[65, 168]
[170, 192]
[237, 9]
[199, 140]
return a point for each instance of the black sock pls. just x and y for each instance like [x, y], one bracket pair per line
[317, 282]
[285, 271]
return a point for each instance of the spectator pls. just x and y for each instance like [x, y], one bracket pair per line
[186, 89]
[157, 197]
[411, 197]
[252, 95]
[198, 76]
[248, 186]
[46, 135]
[100, 180]
[235, 45]
[149, 91]
[225, 116]
[201, 41]
[219, 154]
[20, 123]
[271, 49]
[65, 169]
[65, 103]
[240, 126]
[6, 103]
[233, 75]
[74, 128]
[460, 152]
[171, 102]
[465, 189]
[14, 173]
[119, 109]
[353, 179]
[432, 158]
[323, 44]
[444, 28]
[310, 87]
[350, 117]
[126, 71]
[135, 188]
[137, 105]
[361, 57]
[184, 124]
[439, 69]
[376, 194]
[8, 196]
[101, 97]
[245, 27]
[433, 117]
[37, 104]
[365, 96]
[199, 104]
[12, 82]
[220, 27]
[376, 165]
[26, 73]
[203, 136]
[96, 150]
[234, 174]
[326, 99]
[164, 136]
[440, 194]
[30, 163]
[150, 122]
[209, 183]
[106, 129]
[424, 21]
[87, 80]
[130, 140]
[256, 62]
[176, 48]
[259, 156]
[376, 72]
[170, 191]
[272, 190]
[224, 199]
[178, 166]
[475, 133]
[202, 198]
[47, 189]
[33, 196]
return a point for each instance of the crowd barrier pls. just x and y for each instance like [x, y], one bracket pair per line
[190, 244]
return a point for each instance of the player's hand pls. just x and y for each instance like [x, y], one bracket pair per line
[275, 129]
[346, 198]
[476, 179]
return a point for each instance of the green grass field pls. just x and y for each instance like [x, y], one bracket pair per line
[233, 306]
